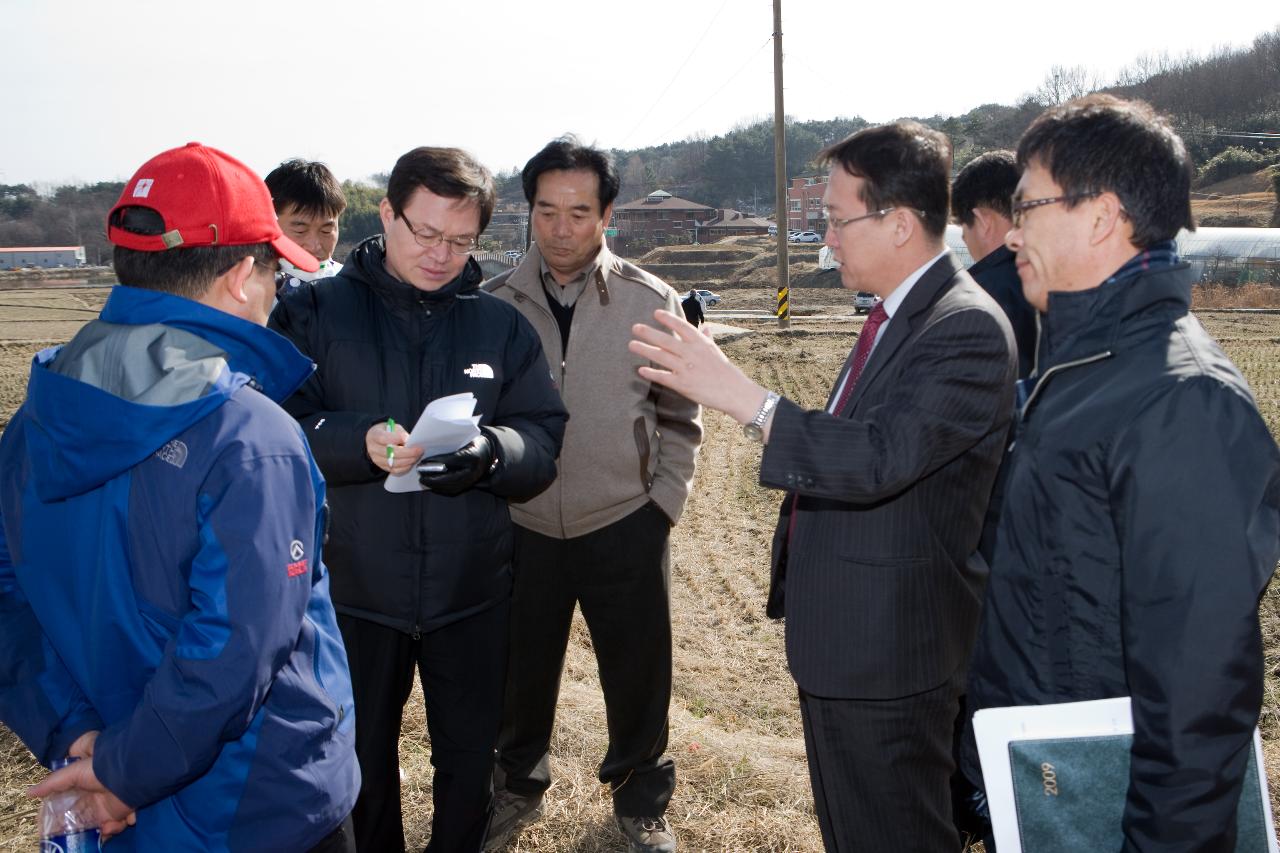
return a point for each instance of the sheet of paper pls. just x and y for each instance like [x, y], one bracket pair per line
[446, 424]
[994, 728]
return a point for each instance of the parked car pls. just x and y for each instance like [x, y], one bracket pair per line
[709, 298]
[806, 237]
[773, 230]
[514, 255]
[863, 302]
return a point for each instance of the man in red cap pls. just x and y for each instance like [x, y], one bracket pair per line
[166, 614]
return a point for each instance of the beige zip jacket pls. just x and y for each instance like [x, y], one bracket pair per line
[627, 441]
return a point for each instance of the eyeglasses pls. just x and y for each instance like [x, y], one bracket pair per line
[428, 239]
[833, 222]
[1019, 207]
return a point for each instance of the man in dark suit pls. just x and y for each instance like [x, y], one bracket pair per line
[887, 488]
[980, 201]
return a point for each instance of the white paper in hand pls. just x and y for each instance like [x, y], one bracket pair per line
[446, 424]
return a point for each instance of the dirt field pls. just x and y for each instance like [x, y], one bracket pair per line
[736, 730]
[1245, 200]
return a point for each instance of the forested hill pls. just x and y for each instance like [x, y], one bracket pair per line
[1216, 102]
[1223, 104]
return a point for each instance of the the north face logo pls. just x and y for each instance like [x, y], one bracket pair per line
[175, 453]
[479, 371]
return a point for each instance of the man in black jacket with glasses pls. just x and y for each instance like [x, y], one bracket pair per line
[1141, 515]
[423, 579]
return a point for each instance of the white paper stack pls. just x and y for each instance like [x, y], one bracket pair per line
[446, 424]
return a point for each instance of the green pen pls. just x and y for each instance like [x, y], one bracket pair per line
[391, 451]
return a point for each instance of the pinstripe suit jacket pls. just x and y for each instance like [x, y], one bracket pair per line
[881, 598]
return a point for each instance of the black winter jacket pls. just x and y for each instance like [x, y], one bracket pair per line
[383, 349]
[1140, 527]
[997, 274]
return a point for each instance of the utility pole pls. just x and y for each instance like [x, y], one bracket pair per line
[780, 173]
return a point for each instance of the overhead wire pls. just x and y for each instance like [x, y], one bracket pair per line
[1233, 134]
[675, 76]
[713, 95]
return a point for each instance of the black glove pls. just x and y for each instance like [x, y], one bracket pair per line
[461, 470]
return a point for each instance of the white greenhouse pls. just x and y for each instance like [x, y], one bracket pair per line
[1219, 255]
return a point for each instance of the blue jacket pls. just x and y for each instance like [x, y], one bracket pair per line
[160, 580]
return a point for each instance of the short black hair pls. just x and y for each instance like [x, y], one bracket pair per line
[1101, 143]
[903, 164]
[308, 186]
[568, 153]
[985, 181]
[446, 172]
[183, 271]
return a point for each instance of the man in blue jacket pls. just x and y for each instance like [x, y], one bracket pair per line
[164, 612]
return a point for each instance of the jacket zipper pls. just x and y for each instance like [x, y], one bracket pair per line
[1057, 368]
[564, 368]
[422, 524]
[1035, 354]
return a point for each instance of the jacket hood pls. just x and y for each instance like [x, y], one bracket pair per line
[367, 262]
[152, 365]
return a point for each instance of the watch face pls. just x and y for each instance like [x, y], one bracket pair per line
[753, 432]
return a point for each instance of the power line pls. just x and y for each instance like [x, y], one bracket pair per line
[712, 96]
[675, 76]
[1263, 136]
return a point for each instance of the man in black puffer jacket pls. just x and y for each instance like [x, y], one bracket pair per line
[423, 579]
[1141, 515]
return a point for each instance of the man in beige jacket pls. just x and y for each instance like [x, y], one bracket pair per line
[598, 537]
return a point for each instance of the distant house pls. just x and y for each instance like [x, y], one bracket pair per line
[804, 203]
[41, 257]
[508, 225]
[730, 223]
[660, 217]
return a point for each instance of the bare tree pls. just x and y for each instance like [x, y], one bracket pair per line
[1062, 84]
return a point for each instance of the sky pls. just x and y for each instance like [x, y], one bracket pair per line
[89, 90]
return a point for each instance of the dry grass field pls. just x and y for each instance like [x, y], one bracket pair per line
[735, 727]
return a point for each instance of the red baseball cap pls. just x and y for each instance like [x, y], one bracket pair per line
[206, 198]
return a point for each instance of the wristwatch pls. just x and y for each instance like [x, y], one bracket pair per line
[755, 429]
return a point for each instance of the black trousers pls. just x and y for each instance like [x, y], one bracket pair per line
[881, 770]
[463, 669]
[620, 576]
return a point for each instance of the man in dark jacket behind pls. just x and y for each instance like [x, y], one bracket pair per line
[1141, 521]
[423, 579]
[980, 197]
